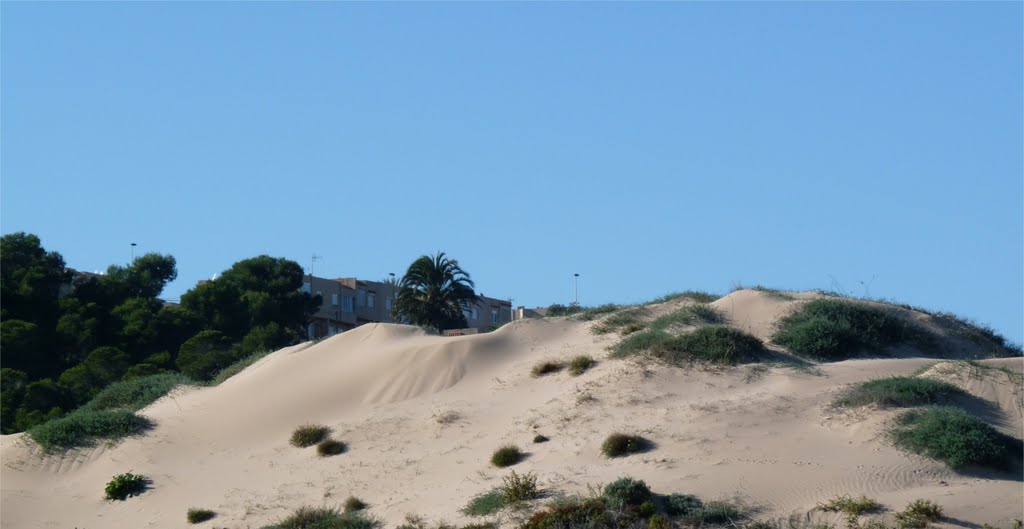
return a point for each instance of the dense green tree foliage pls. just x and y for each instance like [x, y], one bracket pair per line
[65, 336]
[433, 293]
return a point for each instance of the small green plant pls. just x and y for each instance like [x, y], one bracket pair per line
[851, 506]
[896, 392]
[199, 515]
[506, 456]
[572, 512]
[626, 492]
[353, 504]
[620, 319]
[326, 518]
[646, 509]
[85, 427]
[918, 515]
[715, 512]
[580, 364]
[485, 504]
[620, 444]
[330, 447]
[309, 434]
[540, 438]
[953, 436]
[659, 521]
[546, 368]
[519, 487]
[682, 504]
[124, 486]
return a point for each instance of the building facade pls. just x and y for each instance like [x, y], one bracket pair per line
[349, 302]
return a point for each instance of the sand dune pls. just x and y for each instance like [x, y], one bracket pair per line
[763, 435]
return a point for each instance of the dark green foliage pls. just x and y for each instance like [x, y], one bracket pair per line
[573, 513]
[83, 427]
[43, 400]
[540, 439]
[714, 512]
[659, 521]
[353, 503]
[141, 371]
[135, 394]
[485, 504]
[619, 320]
[594, 313]
[918, 515]
[505, 456]
[896, 392]
[626, 492]
[124, 486]
[330, 447]
[433, 292]
[309, 434]
[620, 444]
[12, 391]
[237, 367]
[835, 329]
[563, 310]
[199, 515]
[103, 366]
[697, 295]
[204, 355]
[546, 368]
[580, 364]
[716, 344]
[325, 518]
[682, 504]
[646, 509]
[955, 437]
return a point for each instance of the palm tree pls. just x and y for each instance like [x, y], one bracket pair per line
[433, 292]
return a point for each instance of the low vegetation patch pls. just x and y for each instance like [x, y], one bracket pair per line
[540, 438]
[137, 393]
[896, 392]
[485, 504]
[124, 486]
[330, 447]
[682, 504]
[515, 488]
[715, 344]
[836, 329]
[309, 434]
[506, 456]
[353, 503]
[697, 295]
[546, 368]
[85, 427]
[918, 515]
[238, 366]
[326, 518]
[594, 313]
[619, 320]
[626, 492]
[199, 515]
[580, 364]
[954, 437]
[620, 444]
[689, 315]
[851, 506]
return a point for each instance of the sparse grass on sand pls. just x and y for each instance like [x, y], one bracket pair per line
[137, 393]
[918, 515]
[896, 392]
[620, 444]
[85, 427]
[696, 295]
[618, 320]
[580, 364]
[688, 315]
[326, 518]
[506, 456]
[238, 366]
[353, 503]
[715, 344]
[851, 506]
[124, 486]
[954, 437]
[547, 367]
[195, 515]
[837, 329]
[514, 489]
[309, 434]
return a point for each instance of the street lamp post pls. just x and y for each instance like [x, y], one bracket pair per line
[394, 297]
[133, 254]
[576, 297]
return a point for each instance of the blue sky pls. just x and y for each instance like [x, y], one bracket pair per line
[650, 147]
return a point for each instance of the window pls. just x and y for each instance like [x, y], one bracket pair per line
[361, 297]
[494, 315]
[347, 301]
[305, 287]
[334, 300]
[369, 299]
[321, 295]
[387, 304]
[476, 314]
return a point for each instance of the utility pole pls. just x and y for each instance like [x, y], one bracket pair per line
[133, 255]
[394, 296]
[576, 297]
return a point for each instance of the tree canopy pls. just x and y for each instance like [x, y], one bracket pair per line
[433, 293]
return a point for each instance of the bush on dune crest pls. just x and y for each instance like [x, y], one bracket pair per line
[137, 393]
[84, 427]
[836, 329]
[714, 344]
[896, 392]
[954, 437]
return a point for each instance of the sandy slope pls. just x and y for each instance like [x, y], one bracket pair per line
[763, 435]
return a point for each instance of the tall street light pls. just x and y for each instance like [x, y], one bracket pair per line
[394, 299]
[133, 254]
[577, 294]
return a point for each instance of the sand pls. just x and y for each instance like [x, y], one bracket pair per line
[422, 414]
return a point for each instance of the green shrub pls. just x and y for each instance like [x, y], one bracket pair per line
[632, 328]
[953, 436]
[558, 309]
[353, 503]
[309, 434]
[485, 504]
[238, 366]
[918, 515]
[834, 329]
[326, 518]
[84, 427]
[330, 447]
[659, 521]
[716, 344]
[715, 512]
[572, 513]
[682, 504]
[688, 315]
[618, 320]
[137, 393]
[124, 486]
[580, 364]
[540, 439]
[594, 313]
[199, 515]
[202, 356]
[896, 392]
[546, 368]
[505, 456]
[697, 295]
[620, 444]
[850, 506]
[646, 509]
[519, 487]
[626, 492]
